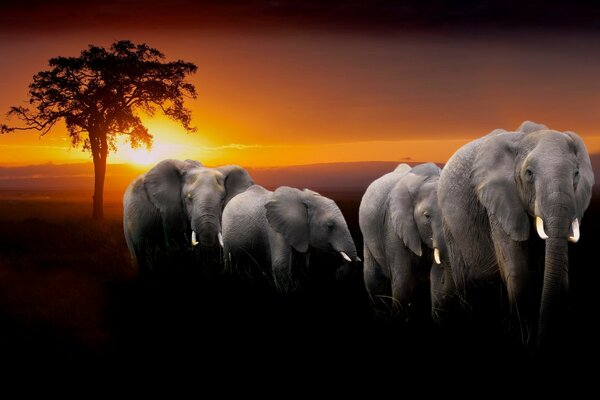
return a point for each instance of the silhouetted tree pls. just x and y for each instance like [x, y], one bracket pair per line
[98, 94]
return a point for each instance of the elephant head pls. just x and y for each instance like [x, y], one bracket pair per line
[191, 198]
[415, 212]
[307, 219]
[543, 176]
[417, 219]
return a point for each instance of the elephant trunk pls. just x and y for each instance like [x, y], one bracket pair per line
[349, 255]
[557, 222]
[443, 293]
[441, 281]
[555, 281]
[206, 231]
[347, 250]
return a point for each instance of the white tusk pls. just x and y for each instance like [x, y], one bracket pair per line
[358, 259]
[194, 241]
[539, 226]
[345, 256]
[574, 238]
[220, 236]
[436, 255]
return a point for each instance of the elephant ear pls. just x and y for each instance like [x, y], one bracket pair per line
[583, 193]
[493, 177]
[237, 180]
[402, 168]
[426, 169]
[402, 208]
[194, 163]
[530, 126]
[288, 215]
[163, 185]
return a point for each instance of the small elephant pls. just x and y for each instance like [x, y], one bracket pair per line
[402, 231]
[177, 205]
[495, 193]
[273, 231]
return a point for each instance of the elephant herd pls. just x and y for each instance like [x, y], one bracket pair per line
[178, 206]
[503, 209]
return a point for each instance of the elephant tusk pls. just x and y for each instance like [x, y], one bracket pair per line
[194, 241]
[539, 226]
[436, 255]
[574, 238]
[358, 259]
[345, 256]
[220, 236]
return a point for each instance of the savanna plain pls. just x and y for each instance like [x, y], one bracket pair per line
[70, 295]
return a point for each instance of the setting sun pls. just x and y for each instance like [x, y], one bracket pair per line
[143, 156]
[170, 141]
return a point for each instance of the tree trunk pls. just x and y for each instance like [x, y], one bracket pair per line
[99, 174]
[99, 149]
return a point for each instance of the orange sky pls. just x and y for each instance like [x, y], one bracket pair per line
[299, 97]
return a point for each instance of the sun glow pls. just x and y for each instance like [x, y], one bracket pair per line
[141, 156]
[144, 156]
[170, 141]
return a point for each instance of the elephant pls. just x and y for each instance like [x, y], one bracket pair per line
[177, 205]
[402, 232]
[495, 193]
[273, 231]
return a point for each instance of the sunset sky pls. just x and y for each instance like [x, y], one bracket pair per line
[305, 83]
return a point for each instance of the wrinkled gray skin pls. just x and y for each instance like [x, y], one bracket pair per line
[401, 226]
[491, 191]
[271, 230]
[163, 207]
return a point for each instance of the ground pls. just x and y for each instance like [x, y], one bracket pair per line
[69, 293]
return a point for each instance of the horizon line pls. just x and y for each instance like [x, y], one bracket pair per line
[141, 166]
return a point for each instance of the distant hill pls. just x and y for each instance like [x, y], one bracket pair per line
[332, 176]
[65, 176]
[340, 176]
[80, 176]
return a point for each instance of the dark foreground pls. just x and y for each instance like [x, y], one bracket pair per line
[71, 301]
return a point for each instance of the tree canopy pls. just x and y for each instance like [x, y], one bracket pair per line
[99, 95]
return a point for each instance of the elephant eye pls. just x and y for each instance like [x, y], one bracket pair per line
[427, 215]
[528, 173]
[189, 196]
[330, 226]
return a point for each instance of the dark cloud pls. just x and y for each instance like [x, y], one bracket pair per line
[360, 15]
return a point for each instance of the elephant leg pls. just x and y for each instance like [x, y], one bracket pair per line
[139, 248]
[377, 284]
[440, 292]
[131, 245]
[403, 284]
[513, 262]
[281, 264]
[137, 257]
[458, 271]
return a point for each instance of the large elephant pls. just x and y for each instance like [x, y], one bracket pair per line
[177, 205]
[495, 193]
[402, 231]
[273, 231]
